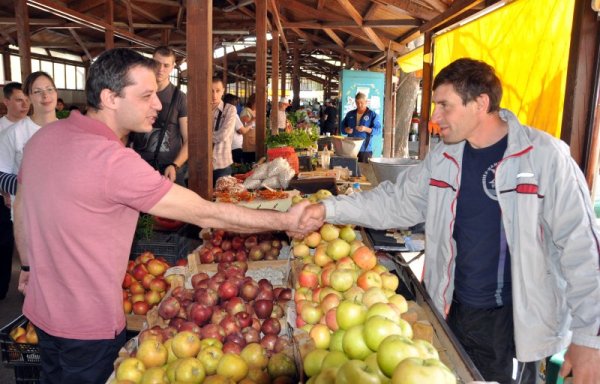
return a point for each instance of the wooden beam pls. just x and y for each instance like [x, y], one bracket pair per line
[143, 12]
[179, 22]
[457, 8]
[23, 37]
[274, 81]
[81, 43]
[283, 66]
[8, 37]
[33, 21]
[165, 36]
[296, 77]
[261, 77]
[200, 116]
[426, 99]
[395, 23]
[275, 11]
[301, 8]
[320, 5]
[438, 5]
[170, 3]
[84, 6]
[6, 64]
[334, 37]
[388, 119]
[129, 15]
[307, 37]
[412, 8]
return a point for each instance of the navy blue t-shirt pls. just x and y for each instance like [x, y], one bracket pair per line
[482, 276]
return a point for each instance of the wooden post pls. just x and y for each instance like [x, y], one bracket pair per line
[274, 81]
[296, 76]
[109, 35]
[426, 99]
[388, 126]
[261, 76]
[23, 37]
[283, 72]
[237, 88]
[200, 117]
[6, 64]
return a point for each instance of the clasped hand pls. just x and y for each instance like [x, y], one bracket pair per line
[306, 218]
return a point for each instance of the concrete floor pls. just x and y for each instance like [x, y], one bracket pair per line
[10, 309]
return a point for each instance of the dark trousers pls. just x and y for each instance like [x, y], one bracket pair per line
[364, 157]
[7, 242]
[249, 157]
[237, 155]
[66, 361]
[487, 336]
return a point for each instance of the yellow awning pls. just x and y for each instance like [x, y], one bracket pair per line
[412, 61]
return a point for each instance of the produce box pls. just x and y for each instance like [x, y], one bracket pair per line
[14, 353]
[170, 245]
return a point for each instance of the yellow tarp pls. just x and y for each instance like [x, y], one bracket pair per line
[527, 42]
[412, 61]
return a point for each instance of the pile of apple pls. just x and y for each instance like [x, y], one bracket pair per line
[347, 303]
[24, 335]
[144, 284]
[320, 195]
[221, 246]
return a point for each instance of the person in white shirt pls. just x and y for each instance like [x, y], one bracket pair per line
[39, 88]
[237, 138]
[17, 105]
[223, 128]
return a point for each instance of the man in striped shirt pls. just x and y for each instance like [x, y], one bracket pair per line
[223, 128]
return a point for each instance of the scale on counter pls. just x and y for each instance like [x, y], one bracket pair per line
[386, 240]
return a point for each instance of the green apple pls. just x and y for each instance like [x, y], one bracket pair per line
[131, 369]
[377, 328]
[338, 248]
[356, 372]
[296, 199]
[314, 361]
[354, 294]
[347, 233]
[342, 279]
[233, 367]
[399, 301]
[327, 376]
[210, 342]
[329, 232]
[384, 309]
[354, 344]
[190, 370]
[323, 194]
[311, 312]
[321, 335]
[210, 357]
[281, 364]
[350, 314]
[334, 359]
[335, 344]
[426, 350]
[373, 367]
[255, 356]
[389, 281]
[414, 370]
[392, 350]
[374, 295]
[406, 328]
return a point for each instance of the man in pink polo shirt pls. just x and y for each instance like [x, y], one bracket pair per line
[76, 210]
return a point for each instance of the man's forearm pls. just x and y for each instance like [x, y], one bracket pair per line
[19, 228]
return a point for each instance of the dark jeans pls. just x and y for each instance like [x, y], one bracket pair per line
[66, 361]
[221, 172]
[249, 157]
[364, 157]
[7, 242]
[237, 155]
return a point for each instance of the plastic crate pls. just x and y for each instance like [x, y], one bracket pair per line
[14, 353]
[27, 374]
[170, 245]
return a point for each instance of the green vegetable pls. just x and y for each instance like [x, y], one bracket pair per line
[298, 138]
[145, 226]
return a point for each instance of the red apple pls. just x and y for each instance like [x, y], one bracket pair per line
[250, 242]
[251, 335]
[212, 331]
[263, 308]
[158, 285]
[206, 296]
[139, 271]
[249, 290]
[127, 280]
[140, 307]
[244, 319]
[199, 313]
[156, 267]
[271, 327]
[227, 290]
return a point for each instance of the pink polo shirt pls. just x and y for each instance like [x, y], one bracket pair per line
[82, 192]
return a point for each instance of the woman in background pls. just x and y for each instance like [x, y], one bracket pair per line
[248, 117]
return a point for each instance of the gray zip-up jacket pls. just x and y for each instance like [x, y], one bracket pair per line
[550, 229]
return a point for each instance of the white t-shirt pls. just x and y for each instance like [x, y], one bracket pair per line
[238, 138]
[5, 123]
[12, 143]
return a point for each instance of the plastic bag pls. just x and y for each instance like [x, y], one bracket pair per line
[271, 182]
[285, 177]
[277, 166]
[252, 183]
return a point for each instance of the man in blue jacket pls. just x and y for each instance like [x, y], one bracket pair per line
[362, 123]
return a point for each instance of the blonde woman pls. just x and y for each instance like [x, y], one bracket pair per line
[248, 117]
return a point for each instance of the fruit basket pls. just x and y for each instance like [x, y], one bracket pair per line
[14, 353]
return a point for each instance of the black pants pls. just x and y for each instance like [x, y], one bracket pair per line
[364, 157]
[237, 155]
[249, 157]
[7, 242]
[66, 361]
[487, 336]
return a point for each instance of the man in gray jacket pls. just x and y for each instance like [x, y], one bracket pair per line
[512, 245]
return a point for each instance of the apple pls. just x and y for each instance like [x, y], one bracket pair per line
[268, 342]
[190, 326]
[323, 194]
[334, 359]
[321, 258]
[347, 234]
[369, 279]
[249, 290]
[244, 319]
[355, 244]
[356, 371]
[210, 342]
[311, 313]
[186, 344]
[230, 325]
[377, 328]
[301, 250]
[321, 336]
[233, 367]
[389, 311]
[190, 370]
[250, 242]
[373, 367]
[271, 327]
[235, 305]
[136, 288]
[263, 308]
[256, 376]
[156, 267]
[392, 350]
[331, 319]
[231, 347]
[414, 370]
[399, 302]
[326, 274]
[406, 328]
[144, 257]
[139, 271]
[350, 314]
[199, 313]
[346, 263]
[313, 239]
[158, 285]
[255, 356]
[427, 351]
[140, 307]
[283, 343]
[336, 342]
[313, 362]
[127, 280]
[130, 265]
[152, 298]
[131, 369]
[210, 356]
[127, 306]
[364, 257]
[155, 375]
[354, 344]
[281, 364]
[308, 279]
[152, 353]
[342, 279]
[373, 296]
[389, 281]
[329, 232]
[330, 301]
[337, 249]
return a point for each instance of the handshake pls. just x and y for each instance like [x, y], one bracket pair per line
[305, 217]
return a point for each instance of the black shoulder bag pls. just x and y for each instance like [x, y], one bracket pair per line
[163, 124]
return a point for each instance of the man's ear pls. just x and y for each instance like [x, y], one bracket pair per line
[483, 102]
[108, 99]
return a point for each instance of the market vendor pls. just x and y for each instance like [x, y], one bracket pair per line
[364, 123]
[512, 256]
[78, 201]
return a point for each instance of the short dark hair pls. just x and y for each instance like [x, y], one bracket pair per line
[230, 98]
[10, 88]
[470, 79]
[59, 100]
[251, 102]
[111, 71]
[217, 79]
[28, 84]
[164, 51]
[360, 96]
